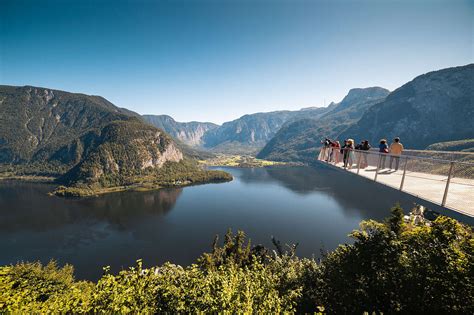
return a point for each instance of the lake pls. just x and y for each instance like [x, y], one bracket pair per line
[315, 207]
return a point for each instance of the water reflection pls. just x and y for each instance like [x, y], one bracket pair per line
[316, 207]
[352, 193]
[32, 209]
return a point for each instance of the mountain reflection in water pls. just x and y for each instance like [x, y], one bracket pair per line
[313, 206]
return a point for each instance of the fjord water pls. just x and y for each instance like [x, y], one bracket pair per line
[313, 206]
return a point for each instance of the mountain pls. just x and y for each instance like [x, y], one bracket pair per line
[250, 133]
[122, 148]
[298, 140]
[38, 124]
[434, 107]
[89, 142]
[190, 133]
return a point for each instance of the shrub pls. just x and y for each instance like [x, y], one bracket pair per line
[391, 267]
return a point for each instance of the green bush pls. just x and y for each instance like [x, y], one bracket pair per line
[33, 288]
[390, 267]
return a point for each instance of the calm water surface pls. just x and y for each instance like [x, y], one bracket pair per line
[315, 207]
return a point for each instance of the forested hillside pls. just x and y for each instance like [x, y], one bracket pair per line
[44, 125]
[89, 143]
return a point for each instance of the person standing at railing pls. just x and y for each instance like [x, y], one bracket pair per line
[396, 149]
[365, 146]
[347, 150]
[383, 149]
[335, 151]
[325, 151]
[351, 152]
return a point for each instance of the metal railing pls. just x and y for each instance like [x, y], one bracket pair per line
[449, 183]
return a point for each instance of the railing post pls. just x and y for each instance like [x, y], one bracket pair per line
[445, 196]
[378, 167]
[358, 161]
[404, 172]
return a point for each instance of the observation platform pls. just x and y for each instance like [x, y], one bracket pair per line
[448, 183]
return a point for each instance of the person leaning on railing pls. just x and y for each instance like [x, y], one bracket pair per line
[396, 149]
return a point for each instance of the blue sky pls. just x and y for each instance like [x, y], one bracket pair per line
[218, 60]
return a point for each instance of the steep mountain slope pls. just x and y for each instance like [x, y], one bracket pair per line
[251, 132]
[131, 154]
[96, 144]
[434, 107]
[190, 133]
[122, 148]
[297, 141]
[38, 124]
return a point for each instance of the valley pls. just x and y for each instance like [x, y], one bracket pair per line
[89, 146]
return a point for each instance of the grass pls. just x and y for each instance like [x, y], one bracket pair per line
[240, 161]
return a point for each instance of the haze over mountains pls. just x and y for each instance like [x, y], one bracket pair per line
[247, 134]
[434, 107]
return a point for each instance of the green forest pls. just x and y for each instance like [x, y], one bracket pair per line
[391, 266]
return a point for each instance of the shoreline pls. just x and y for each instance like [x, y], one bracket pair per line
[77, 192]
[28, 178]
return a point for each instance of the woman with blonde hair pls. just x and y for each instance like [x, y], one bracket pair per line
[351, 152]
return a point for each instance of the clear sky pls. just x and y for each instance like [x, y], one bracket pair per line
[218, 60]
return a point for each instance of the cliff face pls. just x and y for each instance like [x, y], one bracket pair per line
[85, 136]
[434, 107]
[190, 133]
[125, 148]
[250, 133]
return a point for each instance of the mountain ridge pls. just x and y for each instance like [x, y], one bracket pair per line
[436, 106]
[297, 141]
[189, 133]
[89, 144]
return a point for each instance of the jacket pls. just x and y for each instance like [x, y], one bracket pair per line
[396, 148]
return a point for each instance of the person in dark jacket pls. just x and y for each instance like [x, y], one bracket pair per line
[383, 149]
[365, 146]
[346, 150]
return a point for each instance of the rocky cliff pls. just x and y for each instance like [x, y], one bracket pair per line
[190, 133]
[434, 107]
[88, 143]
[124, 148]
[250, 133]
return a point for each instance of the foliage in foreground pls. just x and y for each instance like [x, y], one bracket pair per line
[390, 267]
